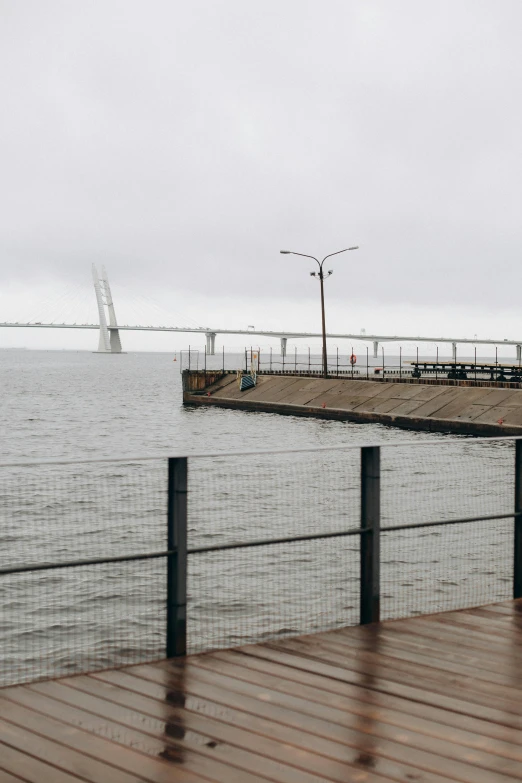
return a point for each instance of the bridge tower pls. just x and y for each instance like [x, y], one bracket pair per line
[109, 335]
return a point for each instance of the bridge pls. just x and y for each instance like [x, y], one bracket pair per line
[110, 342]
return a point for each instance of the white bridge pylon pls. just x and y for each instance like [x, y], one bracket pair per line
[109, 335]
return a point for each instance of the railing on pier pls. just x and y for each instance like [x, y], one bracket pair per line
[205, 369]
[109, 562]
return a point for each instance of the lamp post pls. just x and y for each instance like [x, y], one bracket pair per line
[321, 276]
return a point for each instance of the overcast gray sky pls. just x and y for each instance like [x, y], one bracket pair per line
[184, 143]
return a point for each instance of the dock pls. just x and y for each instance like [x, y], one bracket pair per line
[461, 407]
[431, 699]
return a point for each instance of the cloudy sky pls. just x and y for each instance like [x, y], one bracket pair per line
[183, 144]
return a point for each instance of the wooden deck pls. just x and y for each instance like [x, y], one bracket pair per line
[429, 699]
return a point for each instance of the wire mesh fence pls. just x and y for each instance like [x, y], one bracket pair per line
[57, 619]
[273, 547]
[264, 592]
[439, 568]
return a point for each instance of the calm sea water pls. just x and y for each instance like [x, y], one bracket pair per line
[81, 405]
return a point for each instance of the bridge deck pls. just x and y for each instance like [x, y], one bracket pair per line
[429, 699]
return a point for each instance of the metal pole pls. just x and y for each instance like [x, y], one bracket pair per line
[367, 368]
[309, 359]
[295, 359]
[177, 557]
[270, 358]
[189, 357]
[496, 363]
[205, 368]
[437, 365]
[370, 539]
[337, 360]
[258, 358]
[323, 318]
[400, 362]
[223, 359]
[475, 363]
[517, 566]
[383, 362]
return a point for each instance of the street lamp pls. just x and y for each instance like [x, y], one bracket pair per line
[321, 277]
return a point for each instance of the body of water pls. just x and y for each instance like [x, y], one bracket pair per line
[77, 405]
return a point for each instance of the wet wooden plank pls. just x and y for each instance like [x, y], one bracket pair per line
[378, 650]
[413, 688]
[305, 708]
[400, 641]
[5, 777]
[246, 748]
[433, 721]
[479, 699]
[91, 737]
[29, 768]
[391, 748]
[127, 727]
[435, 699]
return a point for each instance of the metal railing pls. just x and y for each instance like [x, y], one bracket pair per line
[364, 507]
[386, 368]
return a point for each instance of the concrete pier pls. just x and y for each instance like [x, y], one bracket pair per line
[475, 410]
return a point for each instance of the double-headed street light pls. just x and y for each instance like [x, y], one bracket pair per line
[321, 277]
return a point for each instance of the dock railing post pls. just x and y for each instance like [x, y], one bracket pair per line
[517, 563]
[177, 559]
[370, 539]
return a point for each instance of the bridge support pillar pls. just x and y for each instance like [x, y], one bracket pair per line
[519, 353]
[211, 343]
[375, 349]
[454, 351]
[283, 345]
[109, 333]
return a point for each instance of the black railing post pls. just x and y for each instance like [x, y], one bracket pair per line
[370, 540]
[177, 559]
[517, 564]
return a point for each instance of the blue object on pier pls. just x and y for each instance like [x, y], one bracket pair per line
[247, 382]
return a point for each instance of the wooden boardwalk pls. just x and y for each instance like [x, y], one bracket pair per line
[424, 700]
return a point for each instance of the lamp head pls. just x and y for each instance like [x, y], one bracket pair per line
[313, 274]
[285, 252]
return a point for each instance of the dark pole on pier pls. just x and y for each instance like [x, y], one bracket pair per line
[321, 276]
